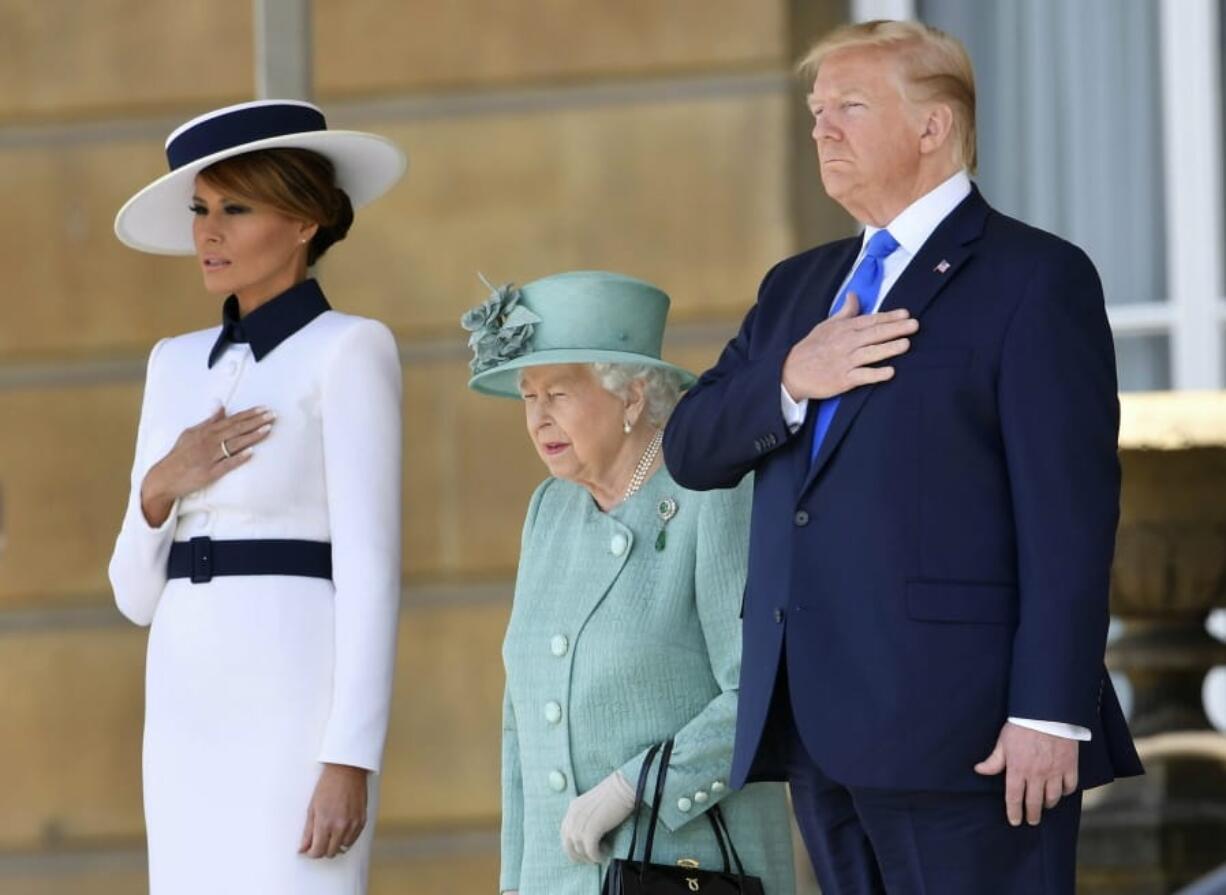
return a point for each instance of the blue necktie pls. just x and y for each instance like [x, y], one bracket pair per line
[866, 283]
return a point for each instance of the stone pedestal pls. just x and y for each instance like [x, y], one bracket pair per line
[1154, 834]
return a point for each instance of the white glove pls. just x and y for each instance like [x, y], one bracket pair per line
[599, 810]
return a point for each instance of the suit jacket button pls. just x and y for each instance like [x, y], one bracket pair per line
[801, 518]
[557, 781]
[558, 645]
[778, 616]
[684, 804]
[553, 712]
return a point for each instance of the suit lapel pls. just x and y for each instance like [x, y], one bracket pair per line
[936, 265]
[821, 286]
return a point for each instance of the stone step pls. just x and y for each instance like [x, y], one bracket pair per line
[463, 862]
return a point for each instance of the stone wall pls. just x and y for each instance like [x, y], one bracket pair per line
[665, 140]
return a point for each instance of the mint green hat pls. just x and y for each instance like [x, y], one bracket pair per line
[580, 317]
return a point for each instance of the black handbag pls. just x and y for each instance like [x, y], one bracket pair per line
[627, 876]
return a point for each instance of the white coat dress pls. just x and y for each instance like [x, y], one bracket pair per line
[253, 682]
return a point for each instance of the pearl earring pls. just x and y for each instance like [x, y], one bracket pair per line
[626, 426]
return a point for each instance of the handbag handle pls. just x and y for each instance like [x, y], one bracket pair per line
[665, 754]
[720, 825]
[640, 789]
[719, 839]
[715, 817]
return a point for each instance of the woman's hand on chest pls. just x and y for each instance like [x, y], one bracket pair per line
[201, 455]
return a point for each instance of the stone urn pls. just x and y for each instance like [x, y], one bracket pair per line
[1154, 834]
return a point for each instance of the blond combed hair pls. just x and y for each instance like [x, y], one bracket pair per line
[935, 68]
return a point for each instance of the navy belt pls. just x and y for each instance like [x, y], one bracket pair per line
[201, 559]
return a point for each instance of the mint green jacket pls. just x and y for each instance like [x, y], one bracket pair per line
[614, 644]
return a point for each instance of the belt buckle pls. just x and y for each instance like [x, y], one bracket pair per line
[202, 560]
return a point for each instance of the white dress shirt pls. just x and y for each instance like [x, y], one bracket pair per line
[911, 230]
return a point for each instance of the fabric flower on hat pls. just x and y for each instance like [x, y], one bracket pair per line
[501, 328]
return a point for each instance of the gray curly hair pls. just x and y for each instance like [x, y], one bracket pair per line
[661, 386]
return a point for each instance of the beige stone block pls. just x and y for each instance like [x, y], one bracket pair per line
[72, 288]
[64, 59]
[64, 467]
[688, 194]
[469, 472]
[72, 703]
[382, 45]
[448, 872]
[441, 767]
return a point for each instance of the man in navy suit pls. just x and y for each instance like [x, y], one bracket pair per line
[931, 414]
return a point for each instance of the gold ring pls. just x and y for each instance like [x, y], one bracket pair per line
[225, 451]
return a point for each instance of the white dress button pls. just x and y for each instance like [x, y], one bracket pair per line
[618, 545]
[701, 797]
[718, 786]
[559, 645]
[684, 804]
[557, 781]
[553, 712]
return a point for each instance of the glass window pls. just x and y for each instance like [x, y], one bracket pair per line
[1070, 138]
[1144, 362]
[1070, 125]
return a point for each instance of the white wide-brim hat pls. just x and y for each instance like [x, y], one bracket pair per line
[157, 219]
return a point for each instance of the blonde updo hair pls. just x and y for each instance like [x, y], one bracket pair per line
[935, 68]
[296, 182]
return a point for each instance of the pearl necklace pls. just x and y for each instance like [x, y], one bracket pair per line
[645, 463]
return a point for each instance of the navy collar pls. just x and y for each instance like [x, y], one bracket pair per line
[272, 322]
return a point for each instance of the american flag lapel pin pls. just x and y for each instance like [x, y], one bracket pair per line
[942, 267]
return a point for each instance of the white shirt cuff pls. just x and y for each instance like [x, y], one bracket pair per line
[1055, 728]
[793, 411]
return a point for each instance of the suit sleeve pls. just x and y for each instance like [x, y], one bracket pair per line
[702, 752]
[138, 564]
[1059, 408]
[360, 407]
[732, 417]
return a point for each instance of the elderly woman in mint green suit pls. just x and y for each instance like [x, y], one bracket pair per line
[624, 630]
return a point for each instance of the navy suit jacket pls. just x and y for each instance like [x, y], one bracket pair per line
[944, 562]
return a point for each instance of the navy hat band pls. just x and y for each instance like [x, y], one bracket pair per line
[240, 127]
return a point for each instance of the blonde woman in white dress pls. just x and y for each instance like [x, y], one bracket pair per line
[262, 536]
